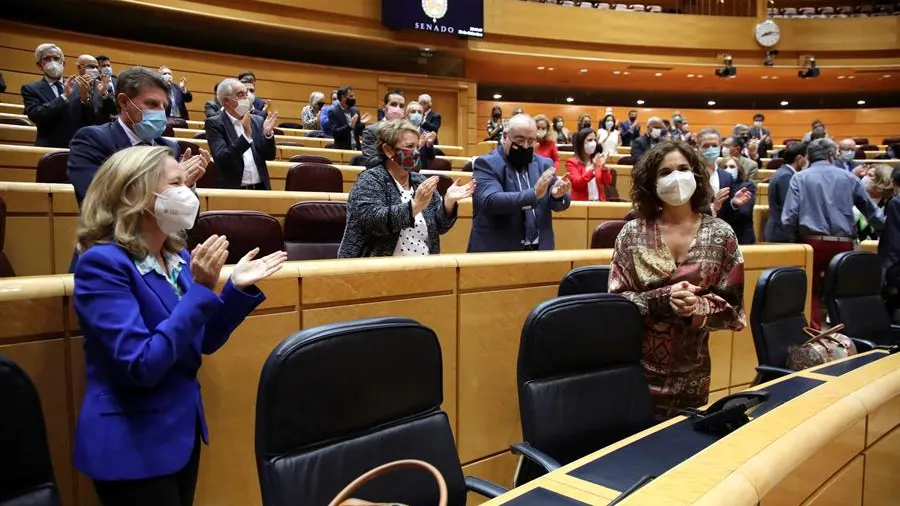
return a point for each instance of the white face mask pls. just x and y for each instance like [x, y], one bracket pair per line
[53, 69]
[167, 77]
[732, 171]
[676, 188]
[868, 183]
[94, 73]
[590, 147]
[655, 132]
[251, 96]
[175, 209]
[243, 107]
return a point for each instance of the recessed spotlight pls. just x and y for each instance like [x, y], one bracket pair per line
[658, 74]
[616, 72]
[851, 77]
[885, 76]
[841, 77]
[784, 103]
[765, 77]
[860, 102]
[640, 102]
[699, 76]
[497, 96]
[584, 71]
[549, 68]
[774, 77]
[570, 99]
[690, 76]
[626, 73]
[711, 102]
[540, 68]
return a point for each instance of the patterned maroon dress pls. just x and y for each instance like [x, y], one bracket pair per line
[676, 349]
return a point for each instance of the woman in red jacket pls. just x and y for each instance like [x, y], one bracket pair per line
[587, 168]
[546, 140]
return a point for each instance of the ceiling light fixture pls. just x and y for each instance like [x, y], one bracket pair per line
[549, 68]
[626, 73]
[841, 77]
[885, 76]
[497, 96]
[616, 72]
[570, 99]
[690, 76]
[851, 77]
[658, 74]
[640, 101]
[711, 102]
[584, 71]
[784, 103]
[540, 68]
[774, 77]
[764, 77]
[860, 102]
[700, 76]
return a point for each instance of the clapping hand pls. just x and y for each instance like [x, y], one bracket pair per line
[458, 191]
[269, 123]
[84, 87]
[366, 118]
[183, 82]
[103, 85]
[683, 298]
[423, 195]
[354, 120]
[194, 166]
[427, 139]
[543, 182]
[599, 160]
[207, 260]
[247, 124]
[69, 87]
[561, 187]
[741, 197]
[251, 270]
[720, 198]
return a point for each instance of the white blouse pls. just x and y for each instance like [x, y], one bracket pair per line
[413, 241]
[593, 188]
[609, 141]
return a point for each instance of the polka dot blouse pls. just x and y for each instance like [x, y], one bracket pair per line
[413, 241]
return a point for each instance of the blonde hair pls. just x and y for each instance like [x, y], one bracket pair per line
[551, 132]
[389, 132]
[884, 184]
[723, 163]
[119, 195]
[314, 98]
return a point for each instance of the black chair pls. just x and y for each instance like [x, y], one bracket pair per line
[245, 230]
[298, 126]
[337, 400]
[313, 230]
[358, 161]
[583, 388]
[777, 320]
[589, 279]
[852, 294]
[27, 472]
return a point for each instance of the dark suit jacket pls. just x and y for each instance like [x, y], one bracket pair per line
[498, 223]
[778, 189]
[92, 145]
[640, 145]
[58, 119]
[227, 149]
[431, 122]
[181, 100]
[340, 127]
[889, 244]
[143, 347]
[212, 107]
[740, 219]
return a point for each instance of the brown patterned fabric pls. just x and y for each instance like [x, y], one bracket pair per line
[676, 350]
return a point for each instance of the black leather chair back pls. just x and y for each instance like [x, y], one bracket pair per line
[588, 279]
[6, 270]
[337, 400]
[313, 230]
[314, 177]
[27, 472]
[852, 295]
[776, 318]
[580, 379]
[245, 230]
[53, 168]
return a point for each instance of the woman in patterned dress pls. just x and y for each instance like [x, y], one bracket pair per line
[683, 269]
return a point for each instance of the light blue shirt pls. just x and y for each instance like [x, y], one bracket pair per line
[323, 118]
[820, 201]
[174, 262]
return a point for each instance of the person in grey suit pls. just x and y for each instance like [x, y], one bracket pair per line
[794, 160]
[241, 142]
[516, 193]
[394, 108]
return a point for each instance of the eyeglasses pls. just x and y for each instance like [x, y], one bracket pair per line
[521, 140]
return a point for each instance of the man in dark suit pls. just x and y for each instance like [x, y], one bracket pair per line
[794, 161]
[346, 123]
[241, 142]
[106, 70]
[432, 121]
[58, 106]
[762, 134]
[213, 107]
[516, 194]
[179, 95]
[142, 98]
[642, 143]
[732, 200]
[258, 105]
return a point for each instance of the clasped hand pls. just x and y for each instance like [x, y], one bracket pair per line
[683, 299]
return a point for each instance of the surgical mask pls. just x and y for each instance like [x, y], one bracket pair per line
[107, 70]
[151, 125]
[711, 153]
[676, 188]
[94, 73]
[53, 69]
[610, 124]
[416, 118]
[243, 107]
[351, 102]
[542, 134]
[655, 133]
[167, 77]
[733, 171]
[757, 123]
[848, 155]
[559, 125]
[590, 147]
[251, 97]
[868, 183]
[393, 112]
[520, 156]
[175, 209]
[408, 158]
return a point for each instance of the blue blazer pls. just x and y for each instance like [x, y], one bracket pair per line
[57, 119]
[778, 188]
[498, 222]
[142, 348]
[740, 219]
[181, 100]
[92, 145]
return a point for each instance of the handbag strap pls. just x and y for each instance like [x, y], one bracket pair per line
[387, 468]
[816, 335]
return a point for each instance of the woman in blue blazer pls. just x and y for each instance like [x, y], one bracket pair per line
[148, 312]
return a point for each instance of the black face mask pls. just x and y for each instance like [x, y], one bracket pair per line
[351, 102]
[520, 157]
[632, 118]
[496, 115]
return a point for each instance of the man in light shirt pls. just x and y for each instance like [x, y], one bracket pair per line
[240, 141]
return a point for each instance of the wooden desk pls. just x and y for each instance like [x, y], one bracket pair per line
[829, 435]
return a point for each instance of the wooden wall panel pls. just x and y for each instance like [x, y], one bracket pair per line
[882, 481]
[844, 489]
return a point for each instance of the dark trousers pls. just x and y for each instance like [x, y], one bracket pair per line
[823, 252]
[171, 490]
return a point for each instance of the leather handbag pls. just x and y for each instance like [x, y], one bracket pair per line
[344, 499]
[822, 347]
